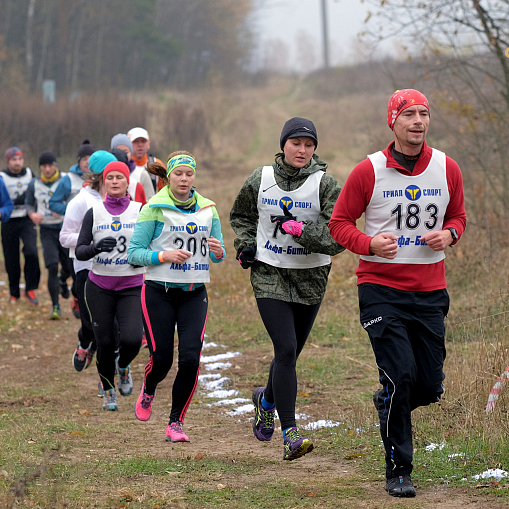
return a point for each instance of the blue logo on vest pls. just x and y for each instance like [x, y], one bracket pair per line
[191, 228]
[285, 200]
[116, 225]
[413, 193]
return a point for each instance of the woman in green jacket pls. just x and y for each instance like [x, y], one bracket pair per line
[281, 218]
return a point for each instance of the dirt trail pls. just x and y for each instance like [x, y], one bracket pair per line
[42, 358]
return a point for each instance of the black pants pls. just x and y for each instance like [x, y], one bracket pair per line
[21, 228]
[407, 334]
[53, 254]
[86, 332]
[162, 309]
[288, 325]
[105, 306]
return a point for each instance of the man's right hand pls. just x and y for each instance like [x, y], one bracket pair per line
[384, 245]
[36, 217]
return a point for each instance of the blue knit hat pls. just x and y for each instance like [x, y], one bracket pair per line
[99, 159]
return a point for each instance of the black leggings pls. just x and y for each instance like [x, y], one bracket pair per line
[288, 325]
[104, 306]
[86, 333]
[54, 253]
[162, 308]
[21, 228]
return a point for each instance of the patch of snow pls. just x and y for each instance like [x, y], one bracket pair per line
[216, 384]
[206, 377]
[217, 365]
[321, 424]
[432, 447]
[233, 401]
[219, 357]
[222, 394]
[496, 473]
[242, 410]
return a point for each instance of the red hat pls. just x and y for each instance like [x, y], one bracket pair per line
[401, 100]
[116, 166]
[11, 152]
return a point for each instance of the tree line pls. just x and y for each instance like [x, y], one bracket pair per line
[126, 44]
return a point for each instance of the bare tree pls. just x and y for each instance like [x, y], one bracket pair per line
[463, 45]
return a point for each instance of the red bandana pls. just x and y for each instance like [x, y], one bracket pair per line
[401, 100]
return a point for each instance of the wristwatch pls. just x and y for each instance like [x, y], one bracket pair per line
[454, 234]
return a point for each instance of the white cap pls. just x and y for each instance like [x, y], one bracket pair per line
[138, 132]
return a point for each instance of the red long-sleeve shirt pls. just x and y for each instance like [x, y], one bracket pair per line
[352, 202]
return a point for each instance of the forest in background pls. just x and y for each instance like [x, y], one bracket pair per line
[88, 45]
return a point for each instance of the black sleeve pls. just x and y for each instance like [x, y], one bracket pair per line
[85, 247]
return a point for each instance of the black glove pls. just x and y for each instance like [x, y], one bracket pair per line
[247, 257]
[279, 220]
[106, 245]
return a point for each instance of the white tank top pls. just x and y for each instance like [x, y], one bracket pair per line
[16, 186]
[183, 231]
[42, 194]
[121, 228]
[408, 206]
[304, 204]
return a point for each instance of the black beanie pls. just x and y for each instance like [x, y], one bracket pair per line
[47, 157]
[86, 149]
[120, 155]
[298, 127]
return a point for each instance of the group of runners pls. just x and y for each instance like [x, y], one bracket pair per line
[140, 270]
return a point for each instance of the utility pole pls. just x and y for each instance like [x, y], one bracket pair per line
[325, 35]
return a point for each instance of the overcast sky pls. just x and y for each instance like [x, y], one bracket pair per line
[297, 25]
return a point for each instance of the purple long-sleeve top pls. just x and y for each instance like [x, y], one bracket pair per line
[85, 249]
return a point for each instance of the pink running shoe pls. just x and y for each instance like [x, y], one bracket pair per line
[174, 433]
[143, 406]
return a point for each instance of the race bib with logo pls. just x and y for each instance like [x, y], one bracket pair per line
[409, 207]
[274, 248]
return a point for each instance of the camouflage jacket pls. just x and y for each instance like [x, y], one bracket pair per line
[304, 286]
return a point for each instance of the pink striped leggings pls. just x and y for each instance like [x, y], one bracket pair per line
[162, 309]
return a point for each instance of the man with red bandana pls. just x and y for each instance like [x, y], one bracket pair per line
[412, 198]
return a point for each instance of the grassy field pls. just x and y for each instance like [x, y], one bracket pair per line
[59, 449]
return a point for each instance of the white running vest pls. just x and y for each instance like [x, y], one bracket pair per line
[42, 194]
[76, 185]
[133, 182]
[16, 186]
[408, 206]
[120, 227]
[183, 231]
[304, 204]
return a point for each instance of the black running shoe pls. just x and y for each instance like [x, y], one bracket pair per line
[400, 486]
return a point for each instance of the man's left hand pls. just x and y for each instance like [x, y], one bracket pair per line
[438, 240]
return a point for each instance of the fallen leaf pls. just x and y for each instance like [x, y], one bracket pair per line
[221, 486]
[352, 456]
[304, 394]
[345, 338]
[199, 456]
[32, 441]
[15, 346]
[351, 432]
[84, 412]
[75, 433]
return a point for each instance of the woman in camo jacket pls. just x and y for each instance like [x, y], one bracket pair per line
[281, 218]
